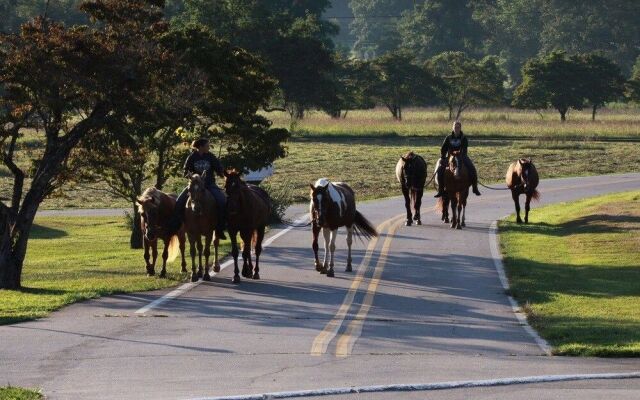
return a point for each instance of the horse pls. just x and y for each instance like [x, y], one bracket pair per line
[200, 219]
[456, 185]
[248, 208]
[411, 172]
[522, 178]
[334, 205]
[155, 209]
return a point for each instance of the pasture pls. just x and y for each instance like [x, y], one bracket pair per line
[14, 393]
[72, 259]
[583, 295]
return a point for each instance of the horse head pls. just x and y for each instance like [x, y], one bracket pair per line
[148, 206]
[320, 200]
[524, 172]
[197, 192]
[455, 163]
[233, 185]
[409, 169]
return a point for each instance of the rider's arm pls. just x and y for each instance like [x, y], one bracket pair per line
[445, 148]
[188, 166]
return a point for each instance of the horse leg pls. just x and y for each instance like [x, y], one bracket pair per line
[464, 210]
[454, 216]
[417, 205]
[459, 222]
[445, 209]
[154, 255]
[207, 254]
[527, 207]
[165, 255]
[407, 205]
[326, 233]
[192, 251]
[234, 252]
[259, 237]
[314, 245]
[181, 241]
[216, 262]
[349, 242]
[247, 270]
[516, 200]
[147, 257]
[199, 244]
[332, 248]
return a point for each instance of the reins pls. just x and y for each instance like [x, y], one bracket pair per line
[493, 188]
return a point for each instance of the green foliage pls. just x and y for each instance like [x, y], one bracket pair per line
[15, 393]
[632, 87]
[401, 83]
[375, 26]
[350, 88]
[281, 196]
[468, 82]
[602, 80]
[438, 26]
[554, 80]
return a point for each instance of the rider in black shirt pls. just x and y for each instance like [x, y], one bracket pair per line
[456, 141]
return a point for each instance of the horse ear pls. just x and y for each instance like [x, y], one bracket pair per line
[139, 201]
[226, 173]
[312, 187]
[403, 159]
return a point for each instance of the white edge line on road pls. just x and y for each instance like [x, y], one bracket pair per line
[188, 286]
[522, 319]
[428, 386]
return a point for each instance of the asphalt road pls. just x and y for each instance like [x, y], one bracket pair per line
[424, 304]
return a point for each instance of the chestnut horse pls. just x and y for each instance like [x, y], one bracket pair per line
[200, 219]
[411, 172]
[156, 209]
[522, 178]
[456, 191]
[334, 205]
[248, 208]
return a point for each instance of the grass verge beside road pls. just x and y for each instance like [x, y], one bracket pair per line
[74, 258]
[575, 271]
[14, 393]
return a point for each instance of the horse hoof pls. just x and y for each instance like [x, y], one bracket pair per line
[330, 273]
[519, 221]
[151, 273]
[463, 224]
[194, 277]
[418, 222]
[216, 268]
[458, 227]
[323, 271]
[200, 274]
[236, 279]
[446, 221]
[163, 274]
[247, 274]
[348, 269]
[183, 270]
[206, 278]
[408, 222]
[453, 226]
[256, 276]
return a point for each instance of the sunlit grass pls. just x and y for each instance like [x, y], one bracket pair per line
[14, 393]
[575, 271]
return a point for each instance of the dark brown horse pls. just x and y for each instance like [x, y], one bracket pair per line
[522, 178]
[334, 205]
[456, 187]
[200, 219]
[156, 209]
[248, 208]
[411, 172]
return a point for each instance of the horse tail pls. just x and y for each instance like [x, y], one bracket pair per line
[535, 195]
[174, 248]
[364, 228]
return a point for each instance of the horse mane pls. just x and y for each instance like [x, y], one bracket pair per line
[322, 182]
[409, 155]
[149, 194]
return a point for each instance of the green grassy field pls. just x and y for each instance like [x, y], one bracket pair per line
[583, 296]
[71, 259]
[363, 148]
[13, 393]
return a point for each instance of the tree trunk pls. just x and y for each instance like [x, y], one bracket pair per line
[136, 230]
[394, 110]
[399, 113]
[563, 115]
[344, 116]
[13, 245]
[450, 113]
[593, 112]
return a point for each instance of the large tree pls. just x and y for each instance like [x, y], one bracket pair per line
[401, 83]
[554, 80]
[602, 81]
[351, 87]
[72, 81]
[436, 26]
[468, 81]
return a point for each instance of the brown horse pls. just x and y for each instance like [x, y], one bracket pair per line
[200, 219]
[334, 205]
[456, 186]
[411, 172]
[248, 208]
[156, 209]
[522, 178]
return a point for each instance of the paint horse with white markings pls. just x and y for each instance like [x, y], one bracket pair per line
[411, 172]
[334, 205]
[522, 178]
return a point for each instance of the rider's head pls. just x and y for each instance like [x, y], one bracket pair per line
[457, 127]
[200, 145]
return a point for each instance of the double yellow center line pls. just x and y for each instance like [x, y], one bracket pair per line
[353, 331]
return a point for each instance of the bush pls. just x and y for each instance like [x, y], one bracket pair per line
[281, 198]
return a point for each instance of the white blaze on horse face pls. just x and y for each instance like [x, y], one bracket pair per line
[322, 182]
